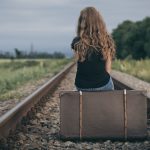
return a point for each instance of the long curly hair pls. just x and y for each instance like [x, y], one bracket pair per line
[93, 33]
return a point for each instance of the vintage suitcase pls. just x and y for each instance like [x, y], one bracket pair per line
[119, 114]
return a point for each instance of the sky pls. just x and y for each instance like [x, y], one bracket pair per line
[50, 25]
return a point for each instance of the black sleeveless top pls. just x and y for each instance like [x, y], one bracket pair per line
[91, 73]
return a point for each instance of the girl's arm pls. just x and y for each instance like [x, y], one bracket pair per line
[75, 56]
[108, 64]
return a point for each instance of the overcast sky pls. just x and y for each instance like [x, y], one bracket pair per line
[51, 24]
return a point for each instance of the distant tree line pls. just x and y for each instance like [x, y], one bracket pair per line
[32, 54]
[132, 39]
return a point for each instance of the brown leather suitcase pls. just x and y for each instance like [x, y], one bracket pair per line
[119, 114]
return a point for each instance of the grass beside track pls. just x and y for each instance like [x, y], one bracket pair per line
[14, 74]
[137, 68]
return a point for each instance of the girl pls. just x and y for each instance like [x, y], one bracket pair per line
[94, 50]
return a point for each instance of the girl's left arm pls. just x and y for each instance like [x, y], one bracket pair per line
[108, 64]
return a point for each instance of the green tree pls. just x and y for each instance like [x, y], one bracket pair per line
[133, 39]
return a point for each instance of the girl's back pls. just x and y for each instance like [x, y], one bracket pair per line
[91, 72]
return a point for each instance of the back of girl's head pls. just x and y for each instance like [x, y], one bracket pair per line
[92, 32]
[89, 22]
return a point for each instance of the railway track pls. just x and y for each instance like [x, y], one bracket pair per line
[39, 128]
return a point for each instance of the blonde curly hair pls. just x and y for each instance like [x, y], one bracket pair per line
[93, 33]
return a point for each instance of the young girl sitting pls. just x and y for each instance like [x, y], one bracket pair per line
[94, 50]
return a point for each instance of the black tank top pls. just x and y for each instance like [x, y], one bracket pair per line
[91, 73]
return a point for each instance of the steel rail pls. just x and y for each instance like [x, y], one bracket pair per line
[10, 119]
